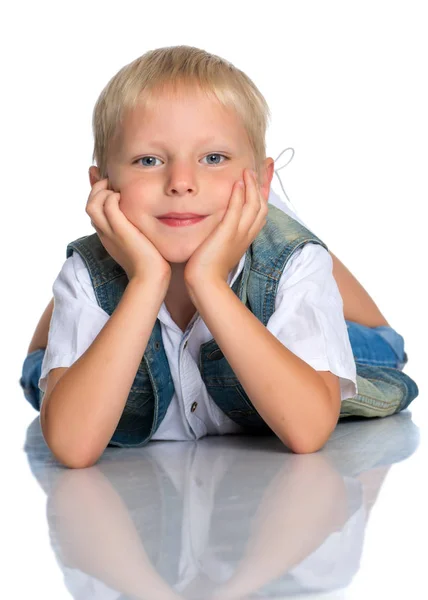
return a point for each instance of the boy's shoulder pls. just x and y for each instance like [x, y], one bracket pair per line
[86, 244]
[101, 266]
[281, 229]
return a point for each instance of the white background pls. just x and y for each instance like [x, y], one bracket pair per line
[346, 82]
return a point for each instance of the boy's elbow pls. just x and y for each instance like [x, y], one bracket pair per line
[78, 464]
[71, 457]
[307, 447]
[75, 462]
[72, 460]
[307, 441]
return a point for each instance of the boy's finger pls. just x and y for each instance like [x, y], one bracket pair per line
[99, 185]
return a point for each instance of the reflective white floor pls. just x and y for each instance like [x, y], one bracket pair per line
[226, 517]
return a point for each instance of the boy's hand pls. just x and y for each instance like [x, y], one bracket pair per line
[245, 217]
[125, 243]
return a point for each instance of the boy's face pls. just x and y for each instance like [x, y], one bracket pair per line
[165, 162]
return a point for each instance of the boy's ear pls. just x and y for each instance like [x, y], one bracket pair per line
[267, 174]
[94, 175]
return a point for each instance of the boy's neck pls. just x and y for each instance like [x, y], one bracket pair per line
[177, 299]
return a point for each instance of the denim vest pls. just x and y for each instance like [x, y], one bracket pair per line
[381, 390]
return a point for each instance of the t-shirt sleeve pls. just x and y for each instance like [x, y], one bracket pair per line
[76, 320]
[309, 319]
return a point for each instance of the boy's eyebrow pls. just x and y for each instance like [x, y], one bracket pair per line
[161, 144]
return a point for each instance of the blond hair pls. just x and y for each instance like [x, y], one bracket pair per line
[167, 68]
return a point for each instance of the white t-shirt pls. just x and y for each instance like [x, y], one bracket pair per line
[308, 319]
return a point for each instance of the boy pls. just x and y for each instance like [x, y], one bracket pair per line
[142, 261]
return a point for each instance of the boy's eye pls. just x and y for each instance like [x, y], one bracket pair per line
[153, 158]
[216, 154]
[145, 158]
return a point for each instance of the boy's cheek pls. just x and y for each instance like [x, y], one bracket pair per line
[136, 199]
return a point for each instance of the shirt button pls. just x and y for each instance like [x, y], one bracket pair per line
[194, 405]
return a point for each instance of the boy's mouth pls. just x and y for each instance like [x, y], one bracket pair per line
[176, 215]
[181, 221]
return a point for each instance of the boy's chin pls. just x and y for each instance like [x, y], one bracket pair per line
[176, 257]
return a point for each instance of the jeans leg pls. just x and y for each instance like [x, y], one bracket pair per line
[29, 381]
[381, 345]
[396, 341]
[383, 388]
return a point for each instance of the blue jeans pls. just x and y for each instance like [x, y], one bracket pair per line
[381, 345]
[370, 345]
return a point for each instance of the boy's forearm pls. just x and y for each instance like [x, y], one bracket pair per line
[85, 406]
[288, 393]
